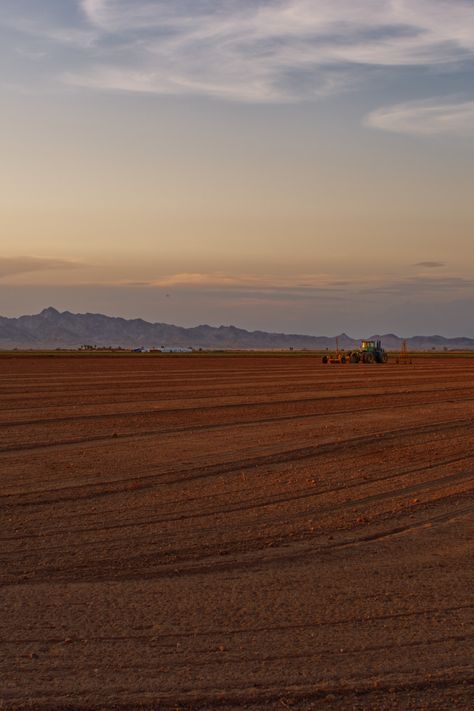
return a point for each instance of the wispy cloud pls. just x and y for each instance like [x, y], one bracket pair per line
[10, 266]
[252, 50]
[297, 287]
[426, 118]
[430, 265]
[270, 50]
[44, 25]
[221, 280]
[424, 287]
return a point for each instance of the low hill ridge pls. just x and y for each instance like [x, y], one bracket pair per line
[54, 329]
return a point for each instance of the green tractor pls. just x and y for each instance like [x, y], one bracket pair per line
[371, 352]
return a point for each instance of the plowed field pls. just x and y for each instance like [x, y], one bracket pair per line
[236, 532]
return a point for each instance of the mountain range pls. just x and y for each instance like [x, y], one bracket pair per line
[54, 329]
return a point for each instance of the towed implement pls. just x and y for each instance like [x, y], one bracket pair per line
[369, 352]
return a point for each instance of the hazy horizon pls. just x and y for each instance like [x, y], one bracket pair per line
[284, 165]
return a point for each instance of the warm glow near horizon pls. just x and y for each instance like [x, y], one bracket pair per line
[293, 165]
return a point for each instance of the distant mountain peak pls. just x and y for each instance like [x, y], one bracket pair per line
[49, 311]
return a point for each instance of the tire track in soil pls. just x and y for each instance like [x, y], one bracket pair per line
[449, 424]
[305, 452]
[245, 404]
[360, 611]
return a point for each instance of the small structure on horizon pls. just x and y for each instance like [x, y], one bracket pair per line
[175, 349]
[403, 358]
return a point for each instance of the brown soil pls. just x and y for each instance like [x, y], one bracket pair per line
[236, 532]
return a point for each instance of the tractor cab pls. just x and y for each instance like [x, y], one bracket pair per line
[367, 346]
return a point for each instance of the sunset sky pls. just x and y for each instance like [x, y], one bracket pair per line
[294, 165]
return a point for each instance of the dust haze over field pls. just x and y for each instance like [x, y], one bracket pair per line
[236, 532]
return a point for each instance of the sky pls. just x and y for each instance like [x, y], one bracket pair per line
[303, 166]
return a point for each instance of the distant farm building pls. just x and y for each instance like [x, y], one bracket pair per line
[175, 349]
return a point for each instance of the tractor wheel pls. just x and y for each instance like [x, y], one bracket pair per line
[369, 358]
[355, 358]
